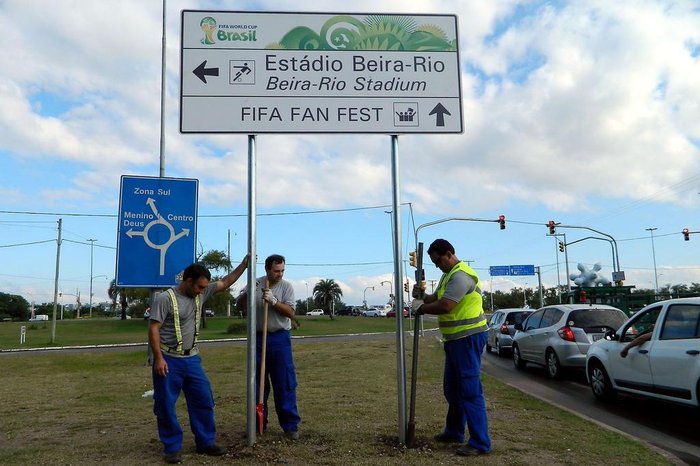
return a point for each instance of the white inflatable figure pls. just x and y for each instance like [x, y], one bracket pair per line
[589, 278]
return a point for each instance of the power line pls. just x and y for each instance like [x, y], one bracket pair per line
[270, 214]
[27, 244]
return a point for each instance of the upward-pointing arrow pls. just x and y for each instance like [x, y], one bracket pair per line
[440, 111]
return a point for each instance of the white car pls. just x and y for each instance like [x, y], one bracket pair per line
[665, 366]
[315, 312]
[375, 312]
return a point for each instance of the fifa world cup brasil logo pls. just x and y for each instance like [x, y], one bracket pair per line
[208, 26]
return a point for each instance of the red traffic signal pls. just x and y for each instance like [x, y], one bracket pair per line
[502, 221]
[552, 227]
[686, 234]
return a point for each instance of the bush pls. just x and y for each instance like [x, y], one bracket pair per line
[237, 328]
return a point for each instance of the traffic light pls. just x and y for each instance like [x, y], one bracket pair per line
[412, 259]
[686, 234]
[562, 246]
[552, 227]
[405, 287]
[502, 221]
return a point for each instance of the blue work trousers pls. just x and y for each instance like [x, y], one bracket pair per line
[186, 375]
[463, 391]
[281, 374]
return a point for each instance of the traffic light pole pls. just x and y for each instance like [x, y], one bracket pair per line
[616, 257]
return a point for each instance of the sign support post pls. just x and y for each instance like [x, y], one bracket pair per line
[251, 417]
[398, 295]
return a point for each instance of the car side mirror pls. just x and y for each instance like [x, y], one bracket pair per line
[611, 335]
[518, 327]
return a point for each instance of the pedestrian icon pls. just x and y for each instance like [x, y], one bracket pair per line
[242, 71]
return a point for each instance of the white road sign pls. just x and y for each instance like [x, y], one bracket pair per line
[244, 72]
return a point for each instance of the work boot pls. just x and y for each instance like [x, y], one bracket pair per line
[291, 434]
[172, 458]
[444, 437]
[212, 450]
[468, 450]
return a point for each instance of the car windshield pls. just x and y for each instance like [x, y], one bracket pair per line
[517, 317]
[592, 318]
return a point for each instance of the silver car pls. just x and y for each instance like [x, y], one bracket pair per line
[502, 328]
[559, 336]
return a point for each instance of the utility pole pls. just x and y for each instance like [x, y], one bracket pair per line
[92, 245]
[653, 255]
[55, 285]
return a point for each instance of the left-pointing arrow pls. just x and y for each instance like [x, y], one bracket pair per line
[201, 71]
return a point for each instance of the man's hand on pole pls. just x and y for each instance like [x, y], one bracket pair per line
[418, 291]
[268, 296]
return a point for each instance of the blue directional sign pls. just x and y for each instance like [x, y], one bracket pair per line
[157, 231]
[522, 270]
[500, 270]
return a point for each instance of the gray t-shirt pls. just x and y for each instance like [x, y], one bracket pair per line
[460, 284]
[163, 312]
[284, 292]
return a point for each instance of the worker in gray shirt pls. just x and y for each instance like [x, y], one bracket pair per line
[172, 334]
[279, 364]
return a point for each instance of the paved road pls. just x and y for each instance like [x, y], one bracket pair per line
[670, 427]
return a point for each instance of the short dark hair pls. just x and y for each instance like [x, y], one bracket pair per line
[195, 272]
[273, 259]
[441, 247]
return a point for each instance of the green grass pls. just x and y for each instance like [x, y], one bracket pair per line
[87, 408]
[109, 331]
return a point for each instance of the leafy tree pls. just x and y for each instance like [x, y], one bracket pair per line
[219, 264]
[126, 296]
[326, 291]
[14, 307]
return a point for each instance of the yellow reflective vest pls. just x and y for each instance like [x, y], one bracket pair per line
[467, 317]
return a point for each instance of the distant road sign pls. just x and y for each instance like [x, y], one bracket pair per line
[500, 270]
[522, 270]
[256, 72]
[157, 230]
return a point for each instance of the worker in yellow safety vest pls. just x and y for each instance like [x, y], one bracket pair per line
[457, 303]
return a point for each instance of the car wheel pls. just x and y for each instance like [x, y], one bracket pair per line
[517, 360]
[553, 366]
[600, 382]
[499, 350]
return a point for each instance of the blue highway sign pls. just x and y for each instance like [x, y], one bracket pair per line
[522, 270]
[500, 270]
[157, 231]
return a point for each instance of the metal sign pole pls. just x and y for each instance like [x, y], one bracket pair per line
[398, 296]
[250, 398]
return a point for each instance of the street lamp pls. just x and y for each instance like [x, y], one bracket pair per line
[307, 296]
[77, 303]
[364, 295]
[653, 255]
[92, 246]
[391, 293]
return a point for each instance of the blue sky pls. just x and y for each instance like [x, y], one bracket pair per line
[580, 112]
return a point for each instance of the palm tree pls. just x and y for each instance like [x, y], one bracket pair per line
[325, 291]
